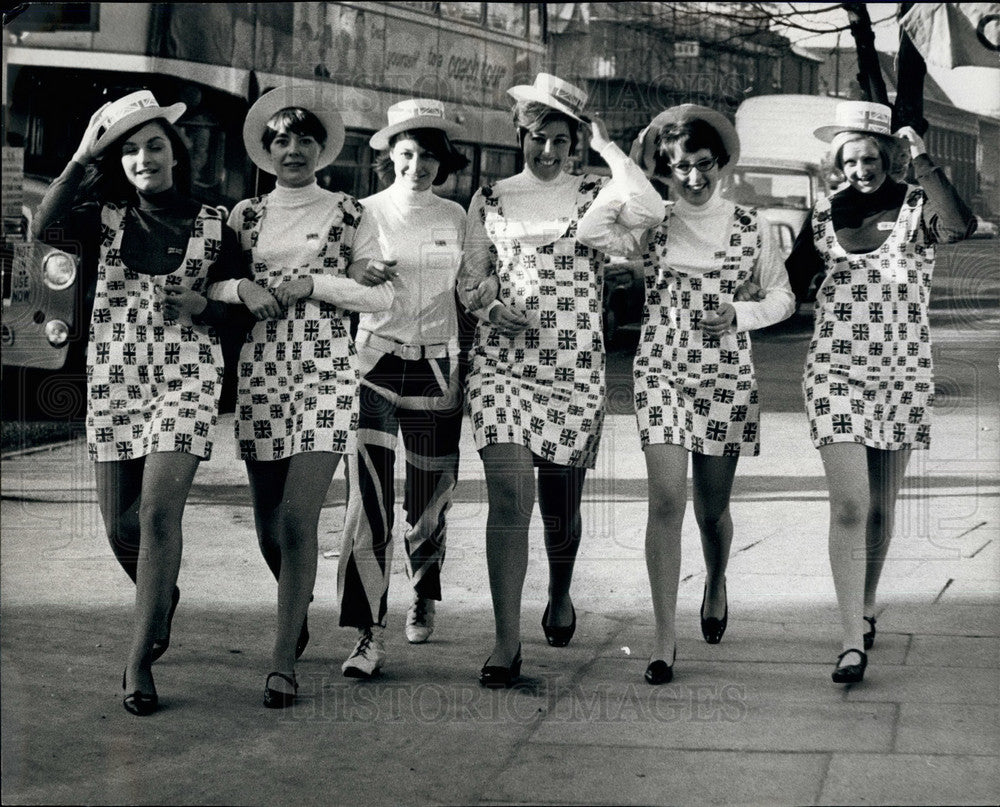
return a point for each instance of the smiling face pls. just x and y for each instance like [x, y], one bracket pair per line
[694, 175]
[415, 166]
[148, 159]
[294, 158]
[861, 162]
[547, 148]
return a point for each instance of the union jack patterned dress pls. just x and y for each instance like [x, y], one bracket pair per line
[544, 388]
[298, 378]
[693, 389]
[868, 376]
[153, 385]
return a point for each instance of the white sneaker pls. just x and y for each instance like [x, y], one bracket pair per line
[368, 655]
[420, 620]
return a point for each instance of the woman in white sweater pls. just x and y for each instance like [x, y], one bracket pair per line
[408, 356]
[297, 401]
[695, 391]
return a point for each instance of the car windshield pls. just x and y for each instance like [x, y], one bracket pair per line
[763, 188]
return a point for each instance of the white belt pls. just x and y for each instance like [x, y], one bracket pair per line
[404, 351]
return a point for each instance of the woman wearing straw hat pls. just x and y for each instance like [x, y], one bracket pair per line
[695, 390]
[297, 401]
[154, 364]
[536, 383]
[867, 383]
[409, 383]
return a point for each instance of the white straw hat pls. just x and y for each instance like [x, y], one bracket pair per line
[130, 111]
[864, 117]
[320, 100]
[643, 148]
[414, 113]
[554, 92]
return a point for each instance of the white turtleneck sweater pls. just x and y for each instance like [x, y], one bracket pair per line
[295, 225]
[538, 212]
[423, 234]
[696, 234]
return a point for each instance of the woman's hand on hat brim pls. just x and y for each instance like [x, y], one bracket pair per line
[915, 141]
[86, 152]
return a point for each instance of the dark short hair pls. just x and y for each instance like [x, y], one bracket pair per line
[884, 145]
[433, 140]
[296, 120]
[692, 135]
[106, 180]
[530, 116]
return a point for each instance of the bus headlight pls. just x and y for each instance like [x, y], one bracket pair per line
[57, 332]
[58, 270]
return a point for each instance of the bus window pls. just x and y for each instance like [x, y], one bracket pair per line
[352, 171]
[206, 143]
[498, 163]
[458, 187]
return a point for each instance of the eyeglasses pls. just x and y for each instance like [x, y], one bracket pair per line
[703, 166]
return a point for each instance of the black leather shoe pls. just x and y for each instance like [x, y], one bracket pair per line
[659, 672]
[496, 677]
[276, 698]
[850, 673]
[160, 645]
[712, 627]
[558, 636]
[303, 640]
[870, 636]
[139, 703]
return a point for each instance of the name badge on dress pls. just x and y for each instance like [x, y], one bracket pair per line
[883, 226]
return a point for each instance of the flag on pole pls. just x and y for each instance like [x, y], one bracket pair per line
[955, 34]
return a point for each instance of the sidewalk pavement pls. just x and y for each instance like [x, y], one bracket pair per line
[753, 720]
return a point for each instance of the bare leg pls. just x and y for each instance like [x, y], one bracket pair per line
[166, 482]
[666, 467]
[846, 469]
[713, 486]
[119, 485]
[293, 519]
[885, 476]
[510, 487]
[560, 489]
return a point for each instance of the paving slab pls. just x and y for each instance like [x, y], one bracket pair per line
[911, 779]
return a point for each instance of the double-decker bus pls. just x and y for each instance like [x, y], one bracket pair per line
[63, 60]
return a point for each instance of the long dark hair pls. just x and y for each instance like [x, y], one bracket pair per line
[105, 180]
[432, 140]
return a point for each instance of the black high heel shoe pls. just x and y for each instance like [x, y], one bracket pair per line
[659, 672]
[276, 698]
[712, 627]
[558, 636]
[493, 676]
[303, 640]
[869, 638]
[139, 703]
[850, 673]
[160, 645]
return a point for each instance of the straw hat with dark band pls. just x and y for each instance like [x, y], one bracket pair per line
[129, 112]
